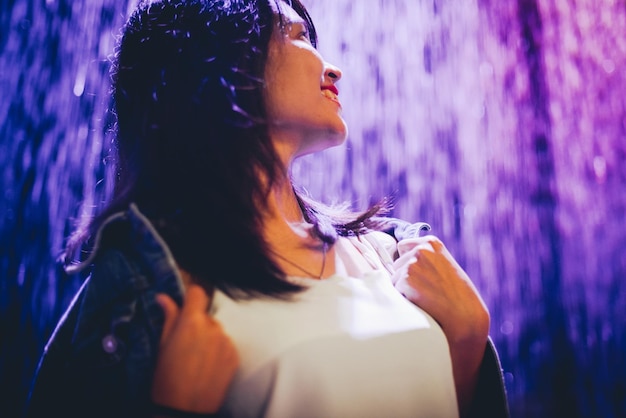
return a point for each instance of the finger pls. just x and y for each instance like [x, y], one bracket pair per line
[401, 265]
[170, 313]
[424, 242]
[412, 293]
[196, 299]
[437, 244]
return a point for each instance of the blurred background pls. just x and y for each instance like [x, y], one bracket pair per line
[500, 123]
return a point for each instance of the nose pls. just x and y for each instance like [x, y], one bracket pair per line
[332, 72]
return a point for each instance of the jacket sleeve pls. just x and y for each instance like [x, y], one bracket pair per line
[100, 359]
[47, 394]
[490, 399]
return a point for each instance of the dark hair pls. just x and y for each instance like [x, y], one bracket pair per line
[192, 138]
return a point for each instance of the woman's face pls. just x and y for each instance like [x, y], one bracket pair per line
[300, 94]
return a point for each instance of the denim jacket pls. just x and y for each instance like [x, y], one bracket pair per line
[99, 360]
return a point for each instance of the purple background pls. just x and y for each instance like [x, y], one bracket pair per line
[501, 123]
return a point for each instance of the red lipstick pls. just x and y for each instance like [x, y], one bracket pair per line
[332, 88]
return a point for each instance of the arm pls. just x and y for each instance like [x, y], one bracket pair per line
[428, 275]
[196, 360]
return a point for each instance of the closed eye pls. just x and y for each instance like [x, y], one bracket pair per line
[301, 31]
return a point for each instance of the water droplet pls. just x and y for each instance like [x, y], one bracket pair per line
[109, 344]
[506, 328]
[599, 168]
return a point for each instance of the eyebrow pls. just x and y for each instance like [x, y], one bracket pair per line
[297, 21]
[300, 23]
[284, 19]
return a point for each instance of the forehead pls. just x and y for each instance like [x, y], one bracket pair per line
[288, 13]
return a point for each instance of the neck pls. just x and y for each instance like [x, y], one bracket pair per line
[284, 224]
[283, 203]
[290, 238]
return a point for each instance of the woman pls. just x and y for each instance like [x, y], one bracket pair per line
[314, 311]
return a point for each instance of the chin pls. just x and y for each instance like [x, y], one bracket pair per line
[337, 136]
[341, 133]
[330, 140]
[322, 139]
[340, 140]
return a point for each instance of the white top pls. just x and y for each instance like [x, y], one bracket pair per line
[349, 346]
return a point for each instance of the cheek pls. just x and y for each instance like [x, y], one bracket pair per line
[272, 91]
[273, 70]
[287, 88]
[302, 67]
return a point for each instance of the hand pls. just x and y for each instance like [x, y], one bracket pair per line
[428, 275]
[196, 360]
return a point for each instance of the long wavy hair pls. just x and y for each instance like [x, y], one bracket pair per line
[192, 139]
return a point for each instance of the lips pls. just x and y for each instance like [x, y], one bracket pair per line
[331, 92]
[331, 88]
